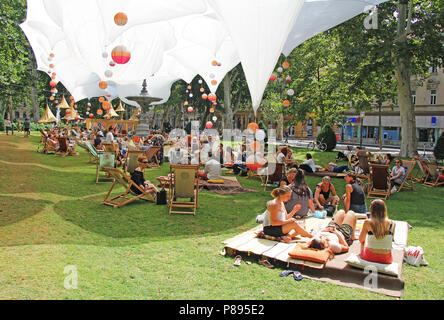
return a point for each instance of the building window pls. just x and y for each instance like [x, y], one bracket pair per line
[433, 97]
[434, 70]
[414, 97]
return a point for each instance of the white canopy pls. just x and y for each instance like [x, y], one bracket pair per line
[170, 40]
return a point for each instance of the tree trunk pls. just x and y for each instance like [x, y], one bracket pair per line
[166, 113]
[409, 144]
[34, 91]
[228, 116]
[380, 135]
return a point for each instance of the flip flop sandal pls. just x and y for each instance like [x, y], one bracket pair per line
[237, 261]
[297, 276]
[286, 273]
[266, 263]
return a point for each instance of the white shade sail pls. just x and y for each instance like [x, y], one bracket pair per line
[168, 40]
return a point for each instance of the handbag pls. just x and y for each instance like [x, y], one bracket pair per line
[161, 197]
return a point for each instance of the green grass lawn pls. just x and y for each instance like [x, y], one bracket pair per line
[51, 217]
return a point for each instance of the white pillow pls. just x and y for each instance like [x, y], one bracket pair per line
[356, 261]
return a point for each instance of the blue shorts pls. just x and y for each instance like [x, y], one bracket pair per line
[359, 208]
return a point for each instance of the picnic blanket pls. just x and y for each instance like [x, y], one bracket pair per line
[230, 186]
[335, 271]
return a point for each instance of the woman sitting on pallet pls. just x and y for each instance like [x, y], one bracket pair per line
[279, 223]
[139, 178]
[377, 235]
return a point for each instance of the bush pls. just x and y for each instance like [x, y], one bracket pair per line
[328, 136]
[438, 151]
[2, 124]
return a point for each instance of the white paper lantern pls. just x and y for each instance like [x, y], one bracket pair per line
[200, 81]
[280, 69]
[108, 73]
[191, 95]
[105, 55]
[260, 135]
[214, 118]
[212, 76]
[290, 92]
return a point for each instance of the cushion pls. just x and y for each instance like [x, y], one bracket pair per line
[355, 260]
[216, 181]
[302, 252]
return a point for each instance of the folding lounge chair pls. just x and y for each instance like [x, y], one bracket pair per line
[106, 160]
[407, 182]
[130, 162]
[63, 147]
[274, 173]
[129, 195]
[93, 153]
[363, 157]
[42, 144]
[433, 178]
[151, 155]
[185, 184]
[421, 173]
[379, 184]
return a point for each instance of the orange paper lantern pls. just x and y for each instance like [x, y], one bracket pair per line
[286, 103]
[212, 97]
[255, 146]
[211, 110]
[100, 112]
[121, 55]
[103, 85]
[253, 127]
[186, 103]
[286, 65]
[204, 96]
[202, 89]
[51, 98]
[106, 105]
[213, 82]
[214, 63]
[57, 101]
[121, 19]
[53, 84]
[101, 99]
[190, 109]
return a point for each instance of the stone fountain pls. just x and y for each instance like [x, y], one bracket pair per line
[145, 101]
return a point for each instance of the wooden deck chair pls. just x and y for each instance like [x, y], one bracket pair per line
[151, 155]
[130, 162]
[42, 144]
[407, 182]
[185, 184]
[421, 173]
[274, 173]
[107, 160]
[110, 147]
[433, 178]
[93, 153]
[379, 184]
[63, 147]
[129, 195]
[363, 157]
